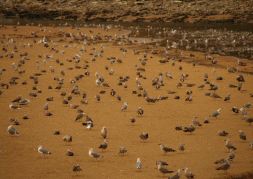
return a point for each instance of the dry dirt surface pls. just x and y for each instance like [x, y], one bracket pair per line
[63, 66]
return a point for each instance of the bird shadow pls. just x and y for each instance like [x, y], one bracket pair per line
[77, 175]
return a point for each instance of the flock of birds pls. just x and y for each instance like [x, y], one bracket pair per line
[101, 82]
[220, 41]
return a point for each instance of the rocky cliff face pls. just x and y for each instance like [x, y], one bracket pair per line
[133, 10]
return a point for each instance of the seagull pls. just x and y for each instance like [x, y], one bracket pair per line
[94, 154]
[47, 113]
[132, 120]
[14, 106]
[251, 145]
[181, 147]
[79, 116]
[88, 123]
[76, 168]
[190, 129]
[229, 145]
[98, 98]
[144, 136]
[240, 78]
[124, 106]
[45, 106]
[122, 150]
[43, 150]
[161, 168]
[69, 152]
[227, 98]
[12, 130]
[176, 176]
[166, 149]
[99, 81]
[216, 113]
[104, 145]
[242, 135]
[104, 132]
[206, 120]
[220, 161]
[222, 133]
[224, 166]
[57, 132]
[195, 122]
[235, 109]
[140, 111]
[67, 138]
[160, 162]
[188, 98]
[188, 173]
[248, 119]
[138, 164]
[231, 155]
[243, 111]
[247, 105]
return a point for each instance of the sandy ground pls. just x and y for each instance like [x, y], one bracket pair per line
[19, 156]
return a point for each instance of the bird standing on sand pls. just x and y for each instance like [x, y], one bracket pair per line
[45, 106]
[67, 138]
[122, 150]
[189, 129]
[251, 145]
[12, 130]
[188, 173]
[69, 152]
[140, 111]
[224, 166]
[166, 149]
[132, 120]
[181, 147]
[103, 145]
[222, 133]
[216, 113]
[144, 136]
[242, 135]
[176, 176]
[162, 169]
[160, 162]
[248, 120]
[227, 98]
[76, 168]
[124, 106]
[235, 109]
[104, 132]
[243, 111]
[229, 145]
[93, 154]
[195, 122]
[138, 164]
[79, 116]
[88, 123]
[43, 150]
